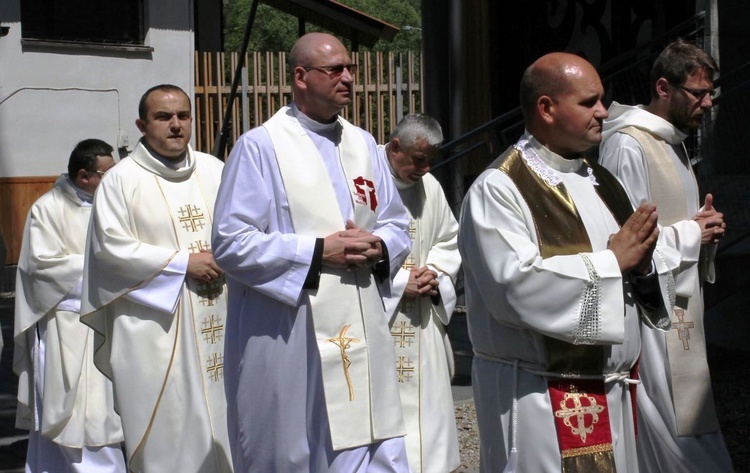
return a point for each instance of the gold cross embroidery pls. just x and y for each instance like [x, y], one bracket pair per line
[579, 412]
[409, 262]
[215, 367]
[209, 292]
[404, 368]
[199, 245]
[402, 335]
[682, 327]
[192, 218]
[343, 343]
[212, 329]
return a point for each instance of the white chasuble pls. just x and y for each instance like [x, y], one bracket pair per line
[78, 400]
[167, 368]
[347, 311]
[424, 357]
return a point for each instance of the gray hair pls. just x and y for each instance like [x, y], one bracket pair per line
[416, 126]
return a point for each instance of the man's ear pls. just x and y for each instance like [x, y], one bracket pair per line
[662, 87]
[82, 175]
[298, 77]
[395, 145]
[545, 107]
[141, 125]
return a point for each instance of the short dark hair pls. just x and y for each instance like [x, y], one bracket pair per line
[537, 81]
[142, 112]
[677, 61]
[84, 155]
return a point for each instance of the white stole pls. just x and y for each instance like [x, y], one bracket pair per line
[362, 399]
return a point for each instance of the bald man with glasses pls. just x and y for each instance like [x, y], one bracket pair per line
[309, 227]
[644, 147]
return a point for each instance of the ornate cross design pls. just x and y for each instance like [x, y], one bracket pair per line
[682, 327]
[402, 335]
[209, 292]
[199, 245]
[192, 218]
[343, 343]
[212, 330]
[215, 367]
[405, 369]
[579, 412]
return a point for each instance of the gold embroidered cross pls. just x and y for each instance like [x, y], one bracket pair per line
[579, 412]
[215, 367]
[192, 218]
[343, 343]
[209, 292]
[404, 369]
[409, 262]
[682, 327]
[199, 245]
[212, 329]
[402, 335]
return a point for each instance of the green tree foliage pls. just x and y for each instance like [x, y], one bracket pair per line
[274, 30]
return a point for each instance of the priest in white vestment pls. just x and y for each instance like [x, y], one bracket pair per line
[644, 147]
[308, 228]
[423, 298]
[157, 299]
[556, 264]
[63, 400]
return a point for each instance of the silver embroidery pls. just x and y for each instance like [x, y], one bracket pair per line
[671, 292]
[589, 328]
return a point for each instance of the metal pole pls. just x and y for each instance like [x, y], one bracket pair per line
[221, 140]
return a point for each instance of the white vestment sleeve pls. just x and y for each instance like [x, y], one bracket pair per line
[274, 263]
[622, 156]
[444, 309]
[528, 291]
[397, 292]
[163, 291]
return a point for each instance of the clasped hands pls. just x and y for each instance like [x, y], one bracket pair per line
[711, 222]
[353, 248]
[634, 244]
[202, 266]
[422, 282]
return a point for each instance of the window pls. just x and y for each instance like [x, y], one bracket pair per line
[89, 21]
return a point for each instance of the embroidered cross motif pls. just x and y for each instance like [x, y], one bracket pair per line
[215, 367]
[407, 305]
[212, 330]
[405, 369]
[198, 246]
[344, 343]
[209, 292]
[682, 327]
[192, 218]
[365, 188]
[403, 335]
[579, 411]
[409, 262]
[412, 229]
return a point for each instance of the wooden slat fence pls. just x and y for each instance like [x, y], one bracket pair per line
[387, 86]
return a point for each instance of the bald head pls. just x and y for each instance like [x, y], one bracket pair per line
[560, 97]
[321, 78]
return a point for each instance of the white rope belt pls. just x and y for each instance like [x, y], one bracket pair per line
[619, 377]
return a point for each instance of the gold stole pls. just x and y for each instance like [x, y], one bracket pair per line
[579, 406]
[347, 312]
[686, 342]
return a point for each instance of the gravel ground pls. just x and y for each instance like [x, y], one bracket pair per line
[730, 372]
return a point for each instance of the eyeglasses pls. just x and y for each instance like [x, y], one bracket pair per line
[699, 94]
[334, 71]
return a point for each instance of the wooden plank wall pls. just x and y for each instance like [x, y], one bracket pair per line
[17, 194]
[376, 107]
[376, 104]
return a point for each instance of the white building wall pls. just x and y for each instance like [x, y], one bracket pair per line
[53, 97]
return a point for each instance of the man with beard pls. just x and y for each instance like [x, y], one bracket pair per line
[643, 146]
